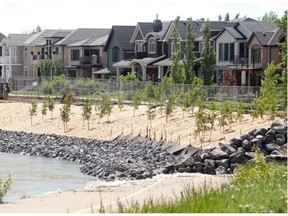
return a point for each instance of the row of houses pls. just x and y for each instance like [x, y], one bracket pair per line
[243, 48]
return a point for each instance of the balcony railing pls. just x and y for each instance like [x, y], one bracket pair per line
[9, 60]
[90, 60]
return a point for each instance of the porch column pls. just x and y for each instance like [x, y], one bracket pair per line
[160, 72]
[118, 73]
[144, 73]
[133, 68]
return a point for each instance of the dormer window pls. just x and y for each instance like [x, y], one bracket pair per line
[139, 46]
[152, 45]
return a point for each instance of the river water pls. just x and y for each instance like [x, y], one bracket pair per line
[36, 175]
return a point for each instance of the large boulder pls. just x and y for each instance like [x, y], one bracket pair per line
[221, 170]
[224, 163]
[246, 145]
[218, 154]
[227, 148]
[237, 157]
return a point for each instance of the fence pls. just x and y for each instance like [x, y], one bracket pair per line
[42, 86]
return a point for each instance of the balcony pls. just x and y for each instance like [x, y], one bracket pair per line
[9, 60]
[90, 60]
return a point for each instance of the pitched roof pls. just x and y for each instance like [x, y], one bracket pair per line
[82, 34]
[145, 27]
[235, 33]
[39, 38]
[258, 26]
[16, 39]
[123, 35]
[91, 41]
[268, 38]
[218, 25]
[2, 36]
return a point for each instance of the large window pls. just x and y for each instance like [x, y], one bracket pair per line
[256, 55]
[75, 55]
[226, 52]
[139, 46]
[115, 54]
[152, 45]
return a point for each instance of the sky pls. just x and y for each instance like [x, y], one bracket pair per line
[22, 16]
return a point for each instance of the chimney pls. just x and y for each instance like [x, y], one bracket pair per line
[157, 25]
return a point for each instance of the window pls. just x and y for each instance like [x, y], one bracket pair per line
[25, 52]
[152, 45]
[115, 54]
[226, 52]
[139, 46]
[25, 72]
[56, 50]
[75, 55]
[256, 55]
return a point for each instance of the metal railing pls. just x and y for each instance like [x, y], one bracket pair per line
[43, 86]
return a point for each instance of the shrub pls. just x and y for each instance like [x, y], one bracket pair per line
[4, 187]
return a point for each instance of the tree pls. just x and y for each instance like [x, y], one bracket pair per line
[44, 109]
[269, 92]
[227, 17]
[131, 76]
[120, 99]
[208, 64]
[269, 17]
[239, 111]
[87, 111]
[189, 56]
[220, 18]
[46, 67]
[58, 68]
[282, 24]
[4, 187]
[65, 115]
[50, 104]
[170, 105]
[151, 112]
[33, 110]
[137, 98]
[106, 106]
[237, 16]
[176, 70]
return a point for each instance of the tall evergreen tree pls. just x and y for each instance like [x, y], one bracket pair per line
[176, 72]
[269, 17]
[189, 55]
[282, 24]
[208, 55]
[227, 17]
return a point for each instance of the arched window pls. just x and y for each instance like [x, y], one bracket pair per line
[152, 45]
[115, 54]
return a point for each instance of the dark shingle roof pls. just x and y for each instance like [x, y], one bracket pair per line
[2, 36]
[39, 39]
[259, 26]
[123, 35]
[183, 28]
[82, 34]
[217, 26]
[235, 33]
[268, 38]
[145, 27]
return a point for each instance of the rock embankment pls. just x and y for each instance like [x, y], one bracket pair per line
[134, 157]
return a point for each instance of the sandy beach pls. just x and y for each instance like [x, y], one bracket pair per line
[179, 129]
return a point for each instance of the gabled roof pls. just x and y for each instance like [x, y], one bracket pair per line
[258, 26]
[15, 39]
[217, 26]
[141, 28]
[91, 41]
[234, 32]
[2, 36]
[82, 34]
[161, 34]
[242, 19]
[267, 38]
[123, 35]
[39, 38]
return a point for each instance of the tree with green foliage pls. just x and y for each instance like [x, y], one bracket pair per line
[33, 110]
[176, 70]
[121, 96]
[65, 115]
[228, 109]
[201, 124]
[46, 67]
[5, 185]
[58, 68]
[131, 76]
[170, 105]
[212, 116]
[222, 118]
[282, 24]
[189, 55]
[106, 106]
[239, 111]
[87, 111]
[137, 98]
[258, 108]
[44, 108]
[50, 104]
[151, 112]
[269, 17]
[208, 55]
[269, 92]
[227, 17]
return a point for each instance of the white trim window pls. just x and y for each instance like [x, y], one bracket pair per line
[151, 45]
[139, 46]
